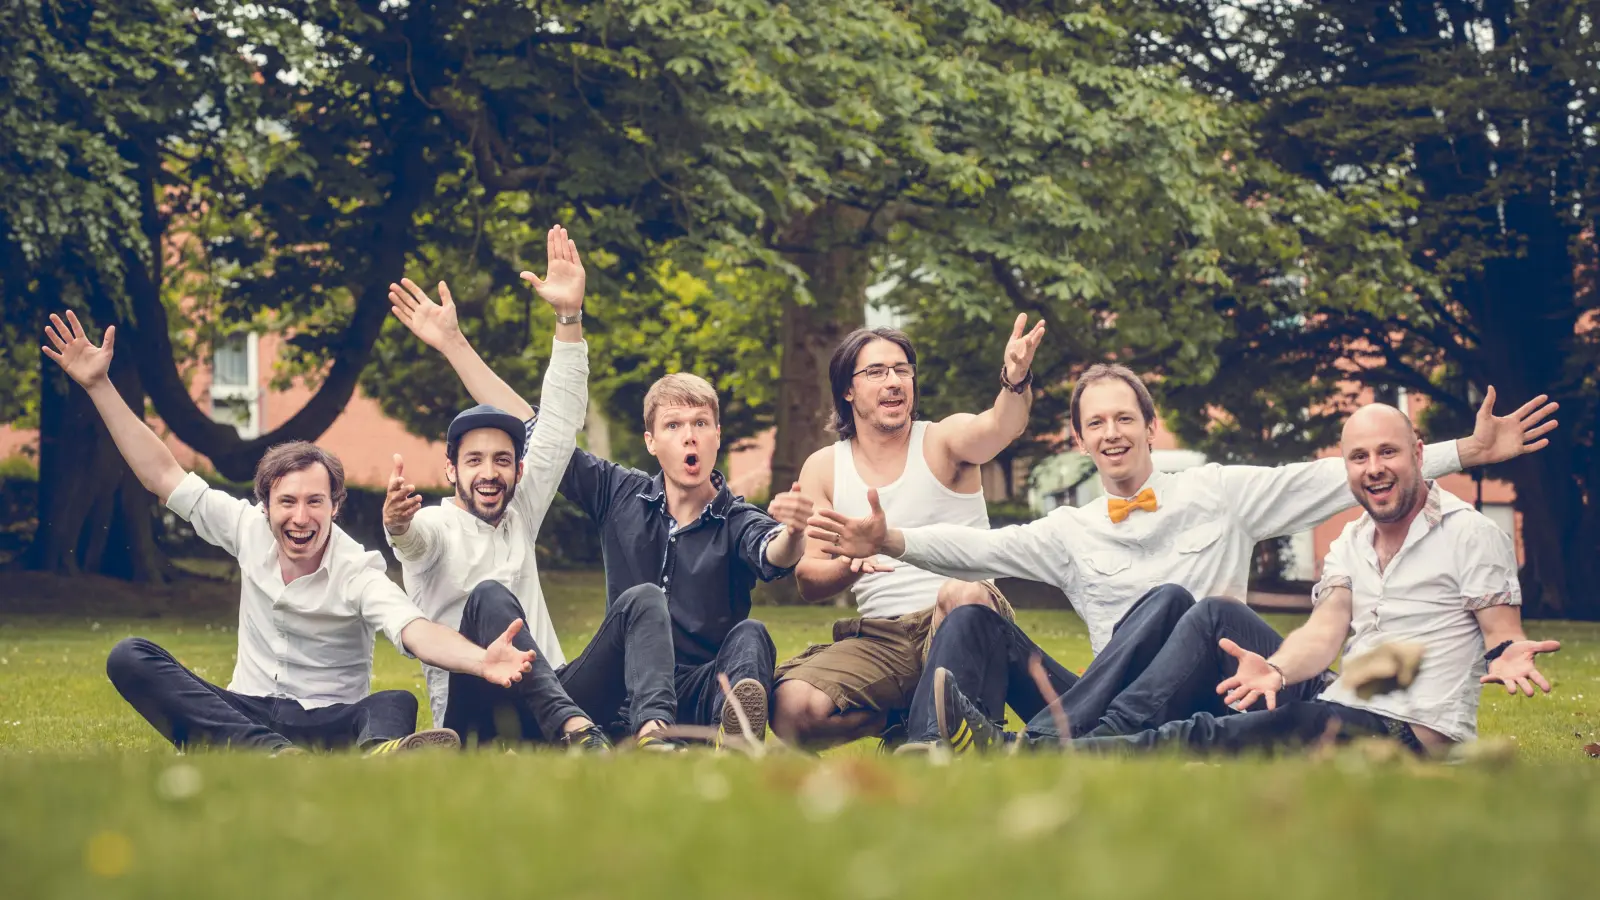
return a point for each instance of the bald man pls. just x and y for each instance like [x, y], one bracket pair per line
[1421, 566]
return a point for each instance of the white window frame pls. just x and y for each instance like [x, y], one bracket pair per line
[228, 397]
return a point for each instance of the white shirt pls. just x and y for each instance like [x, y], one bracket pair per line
[1206, 524]
[309, 640]
[1454, 561]
[448, 551]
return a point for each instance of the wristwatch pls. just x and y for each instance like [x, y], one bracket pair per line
[573, 319]
[1020, 386]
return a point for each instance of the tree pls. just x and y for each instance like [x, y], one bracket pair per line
[1482, 115]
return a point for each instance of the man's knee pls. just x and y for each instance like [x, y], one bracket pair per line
[797, 708]
[955, 594]
[642, 599]
[129, 658]
[492, 596]
[751, 631]
[1217, 610]
[1174, 599]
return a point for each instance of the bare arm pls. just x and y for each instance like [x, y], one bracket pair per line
[154, 465]
[819, 574]
[438, 327]
[1304, 654]
[976, 439]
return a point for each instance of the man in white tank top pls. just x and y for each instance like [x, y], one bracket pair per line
[925, 472]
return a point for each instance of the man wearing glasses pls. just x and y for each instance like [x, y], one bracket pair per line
[927, 472]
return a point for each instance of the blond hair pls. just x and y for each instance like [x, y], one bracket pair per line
[680, 389]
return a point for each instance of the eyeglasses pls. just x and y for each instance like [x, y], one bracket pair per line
[879, 371]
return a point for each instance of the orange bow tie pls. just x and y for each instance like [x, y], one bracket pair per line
[1119, 508]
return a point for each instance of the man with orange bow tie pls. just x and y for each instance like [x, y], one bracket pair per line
[1134, 561]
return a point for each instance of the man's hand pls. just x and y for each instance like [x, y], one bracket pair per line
[841, 535]
[503, 663]
[70, 348]
[1514, 668]
[434, 323]
[871, 566]
[401, 503]
[1021, 347]
[1253, 680]
[1496, 439]
[791, 509]
[562, 286]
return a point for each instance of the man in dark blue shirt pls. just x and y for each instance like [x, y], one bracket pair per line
[685, 533]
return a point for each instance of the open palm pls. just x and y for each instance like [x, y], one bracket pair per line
[70, 348]
[434, 323]
[1499, 438]
[562, 286]
[503, 663]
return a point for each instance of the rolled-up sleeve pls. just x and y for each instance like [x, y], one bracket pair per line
[1487, 561]
[216, 516]
[1335, 567]
[755, 529]
[386, 608]
[1034, 551]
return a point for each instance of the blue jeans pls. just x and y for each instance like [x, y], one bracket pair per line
[747, 652]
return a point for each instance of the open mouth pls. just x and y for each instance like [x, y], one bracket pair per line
[1381, 491]
[1115, 453]
[692, 463]
[489, 492]
[893, 403]
[299, 538]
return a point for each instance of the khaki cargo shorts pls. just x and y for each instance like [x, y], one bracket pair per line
[873, 663]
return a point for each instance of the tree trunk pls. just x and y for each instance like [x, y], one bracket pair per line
[837, 273]
[94, 515]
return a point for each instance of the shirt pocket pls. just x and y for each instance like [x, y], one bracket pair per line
[1200, 537]
[1106, 562]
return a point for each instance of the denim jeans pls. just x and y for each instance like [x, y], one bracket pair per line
[188, 710]
[747, 652]
[622, 680]
[989, 658]
[1293, 724]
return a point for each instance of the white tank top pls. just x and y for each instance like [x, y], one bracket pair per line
[916, 498]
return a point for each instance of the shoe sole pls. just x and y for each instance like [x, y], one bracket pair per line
[752, 698]
[939, 677]
[427, 740]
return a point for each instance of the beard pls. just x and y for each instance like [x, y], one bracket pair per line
[1406, 491]
[469, 499]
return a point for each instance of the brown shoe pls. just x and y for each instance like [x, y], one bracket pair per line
[751, 698]
[421, 740]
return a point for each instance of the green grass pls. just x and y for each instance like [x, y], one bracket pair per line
[93, 803]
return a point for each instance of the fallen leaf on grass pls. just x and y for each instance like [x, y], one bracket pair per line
[1390, 667]
[1593, 750]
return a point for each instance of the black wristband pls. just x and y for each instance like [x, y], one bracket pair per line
[1494, 654]
[1020, 386]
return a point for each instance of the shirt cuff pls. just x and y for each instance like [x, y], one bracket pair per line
[186, 496]
[1326, 586]
[769, 570]
[1498, 598]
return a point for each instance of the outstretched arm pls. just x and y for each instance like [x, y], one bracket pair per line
[976, 439]
[154, 465]
[436, 323]
[1514, 665]
[1305, 653]
[499, 663]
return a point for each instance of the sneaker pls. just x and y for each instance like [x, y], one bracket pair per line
[751, 697]
[289, 750]
[587, 740]
[961, 724]
[433, 737]
[916, 748]
[655, 743]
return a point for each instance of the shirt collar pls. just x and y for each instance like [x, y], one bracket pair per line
[1438, 504]
[1152, 483]
[656, 491]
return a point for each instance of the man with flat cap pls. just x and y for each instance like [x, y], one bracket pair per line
[469, 562]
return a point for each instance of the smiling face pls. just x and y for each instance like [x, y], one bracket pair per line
[1383, 462]
[485, 473]
[685, 440]
[884, 406]
[300, 509]
[1114, 432]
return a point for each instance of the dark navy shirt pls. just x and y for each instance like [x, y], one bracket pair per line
[707, 567]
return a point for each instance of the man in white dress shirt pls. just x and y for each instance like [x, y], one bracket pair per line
[470, 562]
[310, 600]
[1133, 561]
[1421, 566]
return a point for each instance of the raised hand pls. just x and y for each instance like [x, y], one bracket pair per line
[562, 285]
[1514, 667]
[503, 663]
[1499, 438]
[1254, 679]
[401, 503]
[791, 509]
[70, 348]
[841, 535]
[1021, 347]
[434, 323]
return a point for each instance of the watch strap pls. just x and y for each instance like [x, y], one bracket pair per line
[573, 319]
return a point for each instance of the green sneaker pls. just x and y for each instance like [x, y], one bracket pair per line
[961, 724]
[587, 740]
[655, 743]
[433, 737]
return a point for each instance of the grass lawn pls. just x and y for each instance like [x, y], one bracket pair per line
[94, 803]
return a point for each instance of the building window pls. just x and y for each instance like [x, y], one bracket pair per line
[235, 376]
